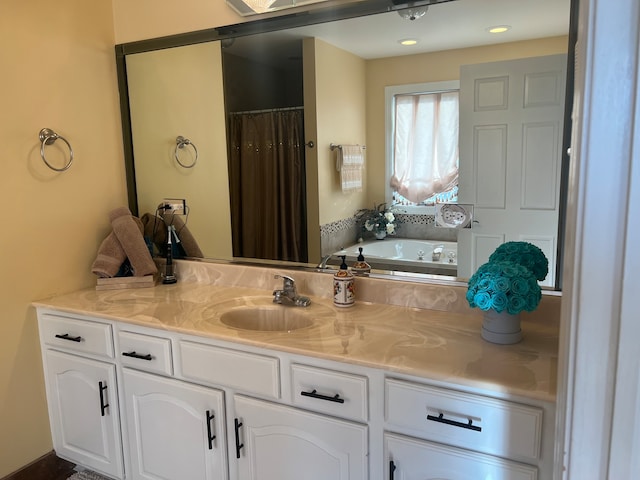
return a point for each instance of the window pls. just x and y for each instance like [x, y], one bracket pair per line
[422, 145]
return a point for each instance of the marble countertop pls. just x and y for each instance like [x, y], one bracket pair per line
[439, 345]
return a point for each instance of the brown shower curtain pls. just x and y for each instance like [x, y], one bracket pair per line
[267, 185]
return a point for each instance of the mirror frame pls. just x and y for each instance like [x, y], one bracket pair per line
[352, 9]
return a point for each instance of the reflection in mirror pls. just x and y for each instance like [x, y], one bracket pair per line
[332, 77]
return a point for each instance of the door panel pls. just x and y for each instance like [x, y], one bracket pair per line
[511, 118]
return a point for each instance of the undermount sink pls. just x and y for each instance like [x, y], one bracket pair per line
[266, 318]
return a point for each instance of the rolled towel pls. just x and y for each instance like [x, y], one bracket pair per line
[110, 257]
[128, 230]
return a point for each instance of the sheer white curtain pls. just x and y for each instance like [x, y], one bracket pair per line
[425, 145]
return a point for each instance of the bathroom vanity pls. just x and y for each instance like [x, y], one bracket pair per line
[182, 382]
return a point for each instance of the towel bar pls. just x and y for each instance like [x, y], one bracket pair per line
[48, 137]
[333, 146]
[181, 142]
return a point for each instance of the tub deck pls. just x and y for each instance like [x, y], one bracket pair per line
[405, 255]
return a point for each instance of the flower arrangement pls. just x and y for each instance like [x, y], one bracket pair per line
[377, 220]
[525, 254]
[504, 285]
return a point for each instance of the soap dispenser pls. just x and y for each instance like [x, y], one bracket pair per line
[361, 268]
[343, 286]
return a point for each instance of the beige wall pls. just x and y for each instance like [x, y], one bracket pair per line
[429, 67]
[58, 72]
[178, 91]
[142, 19]
[341, 119]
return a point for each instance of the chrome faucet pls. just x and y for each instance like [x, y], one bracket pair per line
[323, 262]
[289, 294]
[437, 253]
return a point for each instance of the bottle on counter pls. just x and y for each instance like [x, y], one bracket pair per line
[361, 268]
[344, 294]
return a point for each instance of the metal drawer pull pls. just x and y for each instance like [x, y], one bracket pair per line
[239, 445]
[103, 406]
[210, 436]
[66, 336]
[137, 355]
[440, 419]
[336, 398]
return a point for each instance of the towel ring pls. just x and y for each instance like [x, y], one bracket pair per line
[181, 142]
[48, 137]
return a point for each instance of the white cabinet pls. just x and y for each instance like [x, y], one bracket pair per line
[197, 408]
[509, 431]
[411, 459]
[278, 442]
[175, 429]
[83, 410]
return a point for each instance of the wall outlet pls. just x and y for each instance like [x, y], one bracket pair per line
[177, 206]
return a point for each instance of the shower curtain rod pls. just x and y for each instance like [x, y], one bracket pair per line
[266, 110]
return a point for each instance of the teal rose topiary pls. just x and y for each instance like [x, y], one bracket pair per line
[504, 286]
[525, 254]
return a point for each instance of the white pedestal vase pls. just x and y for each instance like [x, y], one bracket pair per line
[381, 235]
[502, 328]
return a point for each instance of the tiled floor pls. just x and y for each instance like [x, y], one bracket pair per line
[48, 467]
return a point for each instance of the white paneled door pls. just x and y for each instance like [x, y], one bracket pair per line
[511, 122]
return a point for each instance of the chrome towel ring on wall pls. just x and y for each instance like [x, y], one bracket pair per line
[48, 137]
[181, 142]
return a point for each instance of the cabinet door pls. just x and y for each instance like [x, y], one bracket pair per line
[83, 406]
[278, 442]
[410, 459]
[174, 428]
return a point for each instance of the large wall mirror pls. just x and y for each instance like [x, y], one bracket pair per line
[202, 110]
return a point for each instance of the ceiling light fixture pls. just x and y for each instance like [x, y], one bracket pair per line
[499, 29]
[408, 41]
[259, 6]
[413, 13]
[252, 7]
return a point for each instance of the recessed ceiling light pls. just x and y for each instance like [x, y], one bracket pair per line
[499, 28]
[408, 41]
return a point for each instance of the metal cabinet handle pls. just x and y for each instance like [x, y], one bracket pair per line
[239, 445]
[392, 469]
[133, 354]
[103, 405]
[66, 336]
[440, 419]
[314, 394]
[210, 436]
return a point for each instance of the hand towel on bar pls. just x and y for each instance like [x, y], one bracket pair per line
[350, 164]
[127, 229]
[156, 229]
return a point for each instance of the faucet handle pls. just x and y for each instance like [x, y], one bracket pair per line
[288, 281]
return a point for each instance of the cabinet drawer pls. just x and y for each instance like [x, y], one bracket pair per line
[145, 352]
[328, 391]
[410, 458]
[247, 372]
[479, 423]
[77, 335]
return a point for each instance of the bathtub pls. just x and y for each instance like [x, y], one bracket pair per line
[404, 254]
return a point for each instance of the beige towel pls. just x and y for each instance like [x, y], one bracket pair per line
[350, 164]
[109, 258]
[156, 229]
[128, 230]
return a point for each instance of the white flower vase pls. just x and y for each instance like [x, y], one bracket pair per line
[502, 328]
[380, 235]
